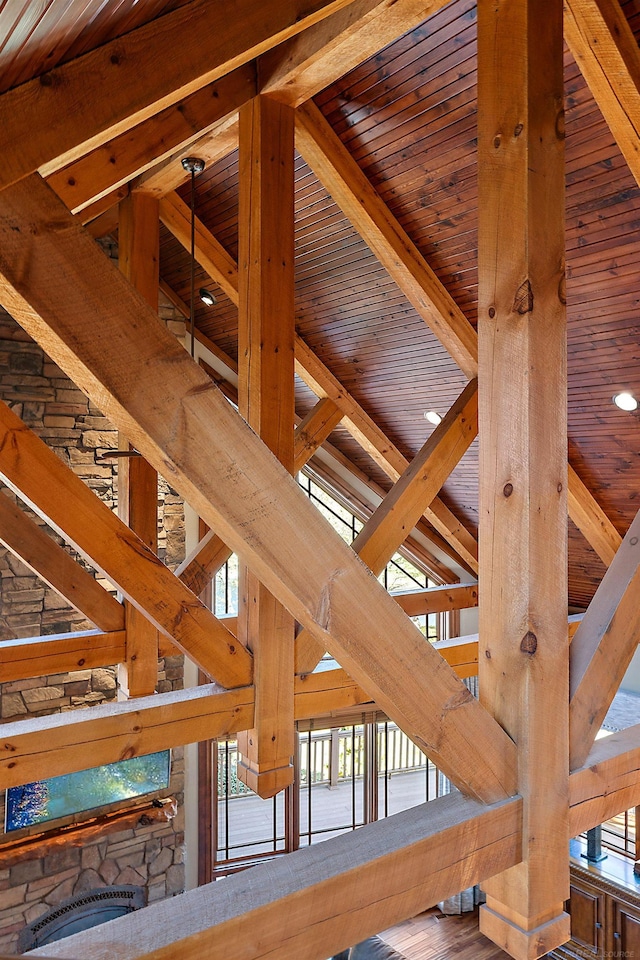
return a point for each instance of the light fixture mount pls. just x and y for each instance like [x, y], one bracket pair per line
[193, 164]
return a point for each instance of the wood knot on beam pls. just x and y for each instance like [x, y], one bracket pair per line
[529, 643]
[523, 302]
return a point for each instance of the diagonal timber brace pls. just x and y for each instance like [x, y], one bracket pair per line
[70, 507]
[52, 278]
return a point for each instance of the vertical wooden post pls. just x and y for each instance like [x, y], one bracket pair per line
[266, 400]
[207, 751]
[139, 244]
[523, 451]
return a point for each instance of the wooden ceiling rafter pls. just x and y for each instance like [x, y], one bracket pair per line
[143, 76]
[159, 409]
[606, 51]
[210, 254]
[591, 520]
[298, 69]
[334, 166]
[214, 259]
[313, 430]
[155, 142]
[165, 177]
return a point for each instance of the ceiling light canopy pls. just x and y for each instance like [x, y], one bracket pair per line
[625, 400]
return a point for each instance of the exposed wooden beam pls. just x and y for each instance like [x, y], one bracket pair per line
[113, 164]
[59, 653]
[324, 898]
[343, 479]
[143, 77]
[591, 520]
[104, 209]
[296, 71]
[266, 400]
[523, 657]
[225, 377]
[607, 783]
[389, 525]
[606, 51]
[210, 554]
[313, 430]
[215, 144]
[139, 259]
[169, 174]
[456, 596]
[325, 693]
[63, 743]
[39, 476]
[180, 421]
[198, 569]
[338, 171]
[54, 566]
[319, 379]
[379, 447]
[461, 653]
[412, 493]
[603, 645]
[40, 747]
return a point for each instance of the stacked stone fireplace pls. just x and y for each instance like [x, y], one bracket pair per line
[137, 845]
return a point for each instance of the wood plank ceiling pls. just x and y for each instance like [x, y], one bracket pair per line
[408, 116]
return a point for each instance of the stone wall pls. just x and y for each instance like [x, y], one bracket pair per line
[38, 874]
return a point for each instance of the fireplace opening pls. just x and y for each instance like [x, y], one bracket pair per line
[80, 913]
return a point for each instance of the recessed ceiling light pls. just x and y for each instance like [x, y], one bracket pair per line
[626, 401]
[207, 297]
[433, 417]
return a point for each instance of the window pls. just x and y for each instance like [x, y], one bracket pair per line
[346, 776]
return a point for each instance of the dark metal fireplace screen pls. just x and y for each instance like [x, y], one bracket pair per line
[80, 913]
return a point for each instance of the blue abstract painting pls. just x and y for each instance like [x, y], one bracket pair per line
[74, 793]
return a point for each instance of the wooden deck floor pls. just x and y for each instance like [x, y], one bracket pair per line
[433, 936]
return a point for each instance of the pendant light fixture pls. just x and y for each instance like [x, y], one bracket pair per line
[193, 165]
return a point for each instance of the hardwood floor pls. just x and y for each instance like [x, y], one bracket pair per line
[433, 936]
